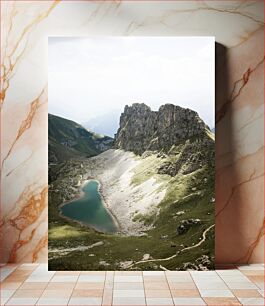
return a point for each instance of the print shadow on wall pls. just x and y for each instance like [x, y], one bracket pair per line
[131, 153]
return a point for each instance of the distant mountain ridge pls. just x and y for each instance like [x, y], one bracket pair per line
[106, 124]
[68, 139]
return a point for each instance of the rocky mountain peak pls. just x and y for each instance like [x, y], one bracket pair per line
[136, 107]
[142, 129]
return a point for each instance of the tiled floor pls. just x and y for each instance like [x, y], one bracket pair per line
[33, 284]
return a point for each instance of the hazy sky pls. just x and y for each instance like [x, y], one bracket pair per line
[93, 76]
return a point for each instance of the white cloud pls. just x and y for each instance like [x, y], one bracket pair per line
[92, 76]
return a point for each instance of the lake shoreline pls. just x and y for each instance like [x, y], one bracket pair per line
[79, 196]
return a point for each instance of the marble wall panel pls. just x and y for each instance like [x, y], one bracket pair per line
[238, 27]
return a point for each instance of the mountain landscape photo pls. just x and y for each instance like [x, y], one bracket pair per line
[156, 183]
[131, 154]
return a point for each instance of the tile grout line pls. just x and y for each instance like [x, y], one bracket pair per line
[112, 294]
[216, 274]
[145, 298]
[112, 290]
[43, 289]
[209, 289]
[236, 268]
[73, 289]
[15, 290]
[169, 289]
[102, 296]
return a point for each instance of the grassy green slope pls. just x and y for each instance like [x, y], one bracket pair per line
[191, 193]
[117, 249]
[68, 139]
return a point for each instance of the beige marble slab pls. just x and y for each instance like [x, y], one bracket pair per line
[237, 26]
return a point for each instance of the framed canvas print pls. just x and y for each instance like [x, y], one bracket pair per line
[131, 153]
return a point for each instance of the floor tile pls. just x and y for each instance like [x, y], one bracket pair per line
[188, 301]
[251, 301]
[128, 293]
[108, 285]
[107, 298]
[10, 286]
[6, 271]
[22, 301]
[256, 278]
[85, 301]
[205, 278]
[20, 272]
[67, 273]
[34, 286]
[123, 301]
[250, 267]
[261, 292]
[6, 293]
[152, 273]
[39, 278]
[182, 286]
[129, 286]
[155, 278]
[253, 272]
[40, 271]
[64, 278]
[229, 273]
[56, 293]
[16, 278]
[216, 293]
[28, 284]
[3, 300]
[159, 301]
[203, 273]
[177, 273]
[127, 279]
[95, 272]
[157, 293]
[28, 293]
[53, 301]
[245, 285]
[109, 275]
[87, 293]
[60, 286]
[260, 285]
[215, 301]
[246, 293]
[43, 266]
[212, 286]
[129, 273]
[180, 279]
[156, 286]
[185, 293]
[88, 285]
[91, 278]
[235, 278]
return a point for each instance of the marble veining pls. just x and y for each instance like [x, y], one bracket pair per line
[238, 27]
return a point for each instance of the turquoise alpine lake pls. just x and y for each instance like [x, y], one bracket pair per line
[90, 210]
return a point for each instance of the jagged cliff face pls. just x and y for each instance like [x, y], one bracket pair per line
[176, 133]
[142, 129]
